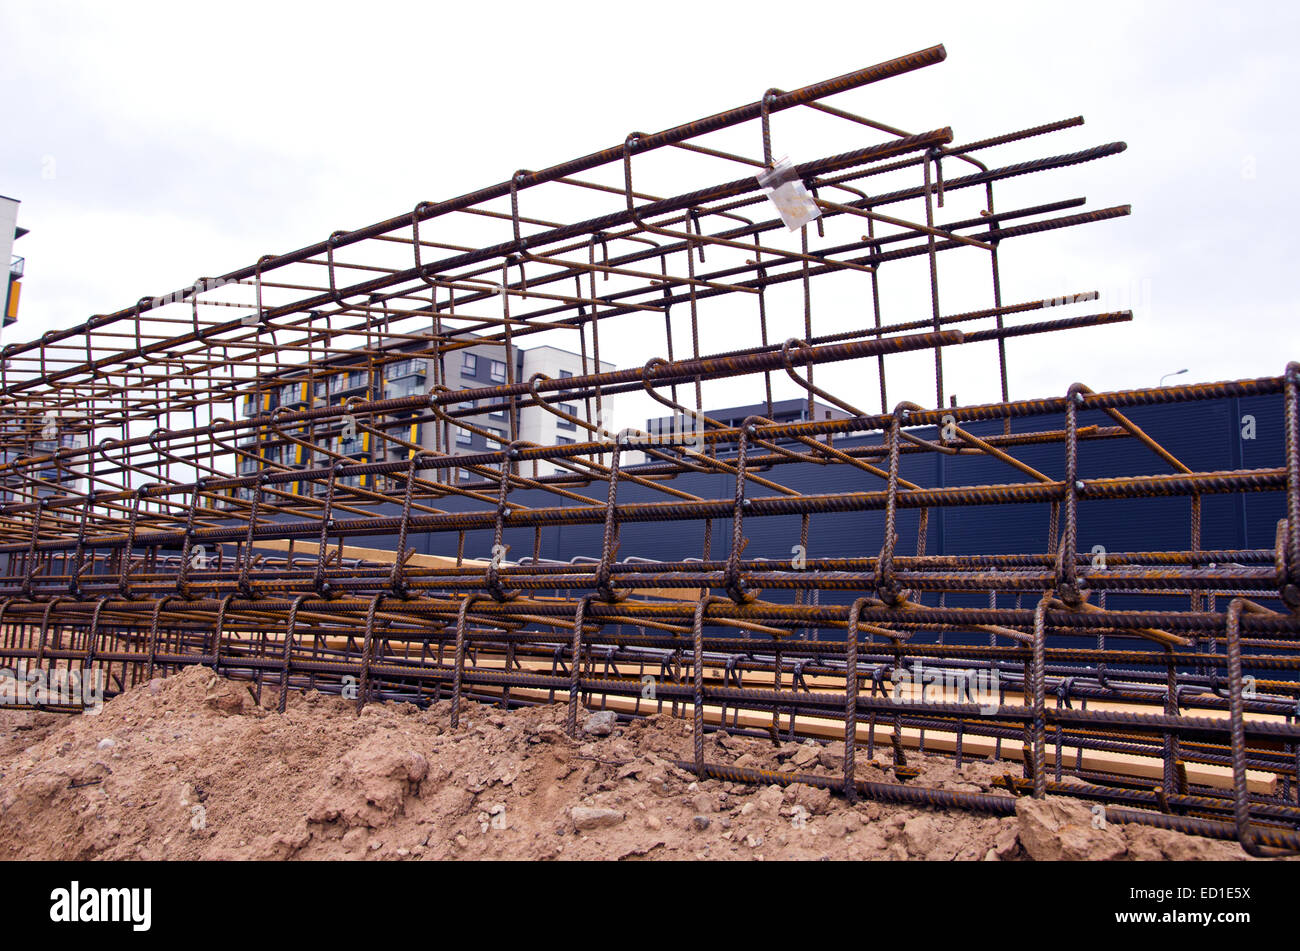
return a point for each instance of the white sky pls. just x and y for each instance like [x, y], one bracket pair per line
[151, 144]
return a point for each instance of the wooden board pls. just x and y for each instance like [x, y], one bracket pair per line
[384, 556]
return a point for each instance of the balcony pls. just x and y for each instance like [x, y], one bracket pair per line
[400, 389]
[348, 383]
[16, 266]
[293, 394]
[406, 369]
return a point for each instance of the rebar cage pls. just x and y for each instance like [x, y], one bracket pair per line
[287, 473]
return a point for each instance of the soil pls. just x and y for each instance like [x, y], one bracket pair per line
[189, 767]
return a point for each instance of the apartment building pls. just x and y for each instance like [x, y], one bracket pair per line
[405, 370]
[483, 366]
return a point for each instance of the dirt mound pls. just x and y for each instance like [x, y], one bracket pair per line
[191, 768]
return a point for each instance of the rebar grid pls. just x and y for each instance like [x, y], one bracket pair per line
[186, 481]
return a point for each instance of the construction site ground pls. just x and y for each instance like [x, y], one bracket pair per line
[190, 767]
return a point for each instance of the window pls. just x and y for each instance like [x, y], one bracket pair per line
[469, 364]
[495, 443]
[411, 366]
[352, 380]
[469, 404]
[463, 475]
[407, 384]
[564, 423]
[398, 369]
[564, 440]
[498, 371]
[464, 437]
[498, 413]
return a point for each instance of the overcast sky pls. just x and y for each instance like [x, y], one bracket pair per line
[150, 144]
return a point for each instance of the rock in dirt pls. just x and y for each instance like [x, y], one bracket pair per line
[838, 826]
[768, 802]
[813, 798]
[601, 724]
[594, 817]
[832, 755]
[921, 834]
[1055, 829]
[806, 755]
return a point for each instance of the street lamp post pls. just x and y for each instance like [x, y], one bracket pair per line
[1167, 375]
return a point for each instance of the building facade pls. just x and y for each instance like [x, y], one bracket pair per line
[470, 427]
[9, 233]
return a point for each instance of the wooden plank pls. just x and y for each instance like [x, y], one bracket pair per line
[385, 556]
[382, 556]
